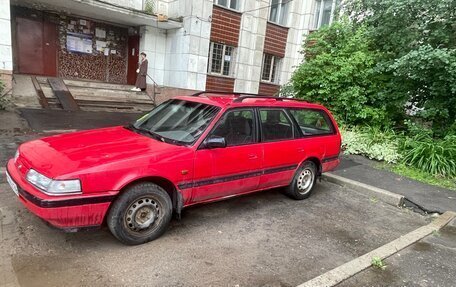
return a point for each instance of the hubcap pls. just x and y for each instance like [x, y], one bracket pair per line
[305, 181]
[142, 214]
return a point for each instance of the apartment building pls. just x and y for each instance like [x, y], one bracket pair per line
[249, 46]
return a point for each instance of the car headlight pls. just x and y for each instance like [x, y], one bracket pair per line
[38, 180]
[64, 186]
[53, 187]
[16, 155]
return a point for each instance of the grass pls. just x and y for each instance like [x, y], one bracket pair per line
[421, 176]
[430, 155]
[377, 262]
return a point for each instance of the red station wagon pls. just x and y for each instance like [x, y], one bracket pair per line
[188, 150]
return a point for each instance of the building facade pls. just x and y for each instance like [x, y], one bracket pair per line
[220, 45]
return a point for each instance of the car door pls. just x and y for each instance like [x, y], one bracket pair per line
[283, 150]
[234, 169]
[318, 135]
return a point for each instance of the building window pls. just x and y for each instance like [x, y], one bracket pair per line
[220, 59]
[324, 12]
[279, 11]
[271, 67]
[232, 4]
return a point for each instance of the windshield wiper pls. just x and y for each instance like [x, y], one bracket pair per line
[144, 131]
[153, 135]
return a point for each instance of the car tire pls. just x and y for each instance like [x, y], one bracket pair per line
[303, 182]
[140, 214]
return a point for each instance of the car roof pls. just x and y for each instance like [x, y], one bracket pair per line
[225, 100]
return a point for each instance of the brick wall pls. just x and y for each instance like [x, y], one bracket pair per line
[219, 84]
[268, 89]
[225, 26]
[275, 41]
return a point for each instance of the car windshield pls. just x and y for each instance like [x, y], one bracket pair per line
[177, 121]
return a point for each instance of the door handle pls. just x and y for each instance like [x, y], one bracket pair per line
[253, 156]
[300, 149]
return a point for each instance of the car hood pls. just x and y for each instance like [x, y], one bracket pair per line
[70, 153]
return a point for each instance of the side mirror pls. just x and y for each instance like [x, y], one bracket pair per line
[215, 142]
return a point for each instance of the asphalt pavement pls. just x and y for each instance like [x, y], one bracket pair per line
[41, 120]
[263, 239]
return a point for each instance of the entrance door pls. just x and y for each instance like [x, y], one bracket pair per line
[29, 46]
[133, 58]
[36, 47]
[49, 49]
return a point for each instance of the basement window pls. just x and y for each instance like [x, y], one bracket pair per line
[232, 4]
[221, 59]
[271, 67]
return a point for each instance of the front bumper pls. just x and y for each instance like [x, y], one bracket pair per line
[64, 212]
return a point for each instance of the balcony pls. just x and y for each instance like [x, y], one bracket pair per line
[124, 12]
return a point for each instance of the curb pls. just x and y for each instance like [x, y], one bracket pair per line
[347, 270]
[382, 194]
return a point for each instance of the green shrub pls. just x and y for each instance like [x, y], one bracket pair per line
[434, 156]
[339, 72]
[374, 143]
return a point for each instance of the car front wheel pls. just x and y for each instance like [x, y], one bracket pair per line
[303, 181]
[141, 214]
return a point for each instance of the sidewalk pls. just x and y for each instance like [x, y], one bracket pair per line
[431, 198]
[435, 255]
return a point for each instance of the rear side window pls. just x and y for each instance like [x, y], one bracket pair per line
[275, 125]
[312, 122]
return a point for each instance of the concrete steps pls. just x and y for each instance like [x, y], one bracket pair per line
[100, 96]
[97, 85]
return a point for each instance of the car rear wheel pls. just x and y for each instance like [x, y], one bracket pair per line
[303, 182]
[141, 214]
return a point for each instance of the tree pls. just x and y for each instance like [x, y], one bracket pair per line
[393, 55]
[418, 43]
[339, 72]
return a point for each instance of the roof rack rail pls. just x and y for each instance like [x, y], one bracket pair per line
[242, 96]
[237, 94]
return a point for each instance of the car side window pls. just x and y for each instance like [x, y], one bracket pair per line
[236, 127]
[312, 122]
[275, 125]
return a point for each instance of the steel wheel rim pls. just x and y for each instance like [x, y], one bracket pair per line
[143, 215]
[305, 181]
